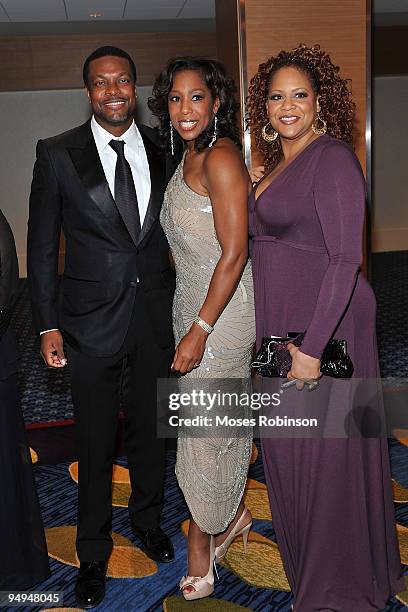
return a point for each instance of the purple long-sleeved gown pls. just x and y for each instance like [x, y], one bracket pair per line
[331, 499]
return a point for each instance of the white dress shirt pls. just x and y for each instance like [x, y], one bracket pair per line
[135, 154]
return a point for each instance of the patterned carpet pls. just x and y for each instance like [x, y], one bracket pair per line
[247, 582]
[45, 394]
[390, 284]
[254, 581]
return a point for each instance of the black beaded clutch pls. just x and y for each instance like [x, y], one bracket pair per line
[273, 358]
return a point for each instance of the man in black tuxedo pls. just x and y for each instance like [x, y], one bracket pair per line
[103, 184]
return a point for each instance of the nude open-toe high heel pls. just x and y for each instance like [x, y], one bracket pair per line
[222, 549]
[202, 585]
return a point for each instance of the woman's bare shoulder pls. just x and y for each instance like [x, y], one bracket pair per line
[223, 156]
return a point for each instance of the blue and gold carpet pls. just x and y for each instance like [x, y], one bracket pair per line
[45, 394]
[390, 284]
[254, 581]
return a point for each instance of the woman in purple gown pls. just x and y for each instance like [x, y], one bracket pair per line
[331, 498]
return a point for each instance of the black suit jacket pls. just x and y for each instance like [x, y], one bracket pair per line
[8, 289]
[94, 304]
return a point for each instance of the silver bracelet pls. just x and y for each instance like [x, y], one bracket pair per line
[204, 325]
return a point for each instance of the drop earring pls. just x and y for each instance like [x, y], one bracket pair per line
[171, 138]
[319, 131]
[269, 137]
[214, 138]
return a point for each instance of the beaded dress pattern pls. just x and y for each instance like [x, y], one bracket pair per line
[212, 466]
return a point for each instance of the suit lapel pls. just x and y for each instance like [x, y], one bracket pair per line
[157, 182]
[85, 158]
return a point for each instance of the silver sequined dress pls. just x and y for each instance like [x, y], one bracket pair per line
[211, 467]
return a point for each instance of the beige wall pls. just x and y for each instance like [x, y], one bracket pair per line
[390, 164]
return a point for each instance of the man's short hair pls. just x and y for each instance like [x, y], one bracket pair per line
[103, 52]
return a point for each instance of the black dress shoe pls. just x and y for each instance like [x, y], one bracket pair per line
[156, 544]
[90, 584]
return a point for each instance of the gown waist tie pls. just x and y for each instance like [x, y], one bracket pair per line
[296, 245]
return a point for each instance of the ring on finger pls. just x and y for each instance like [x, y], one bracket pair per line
[312, 384]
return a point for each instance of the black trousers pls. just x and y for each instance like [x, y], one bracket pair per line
[100, 387]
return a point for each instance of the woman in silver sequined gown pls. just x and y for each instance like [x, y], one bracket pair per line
[205, 220]
[211, 470]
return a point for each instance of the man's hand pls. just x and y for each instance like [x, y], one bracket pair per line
[256, 173]
[52, 349]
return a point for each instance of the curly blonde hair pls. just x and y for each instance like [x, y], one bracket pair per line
[336, 104]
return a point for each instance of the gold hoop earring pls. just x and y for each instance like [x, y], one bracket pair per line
[319, 131]
[269, 137]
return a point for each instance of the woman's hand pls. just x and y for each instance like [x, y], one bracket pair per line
[256, 173]
[190, 350]
[304, 367]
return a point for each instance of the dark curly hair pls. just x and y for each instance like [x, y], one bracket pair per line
[220, 85]
[337, 107]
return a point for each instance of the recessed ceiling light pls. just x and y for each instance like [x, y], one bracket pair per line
[95, 15]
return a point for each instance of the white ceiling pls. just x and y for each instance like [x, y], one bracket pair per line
[390, 6]
[110, 10]
[390, 12]
[37, 12]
